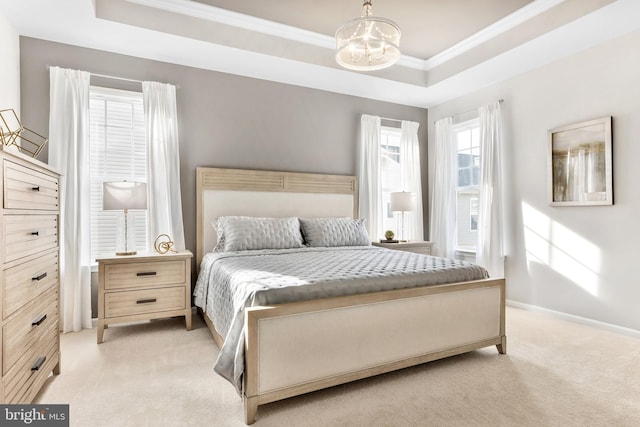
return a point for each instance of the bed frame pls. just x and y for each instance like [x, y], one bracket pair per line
[296, 348]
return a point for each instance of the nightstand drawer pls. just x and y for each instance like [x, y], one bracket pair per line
[24, 282]
[25, 188]
[28, 327]
[128, 303]
[35, 366]
[144, 274]
[26, 235]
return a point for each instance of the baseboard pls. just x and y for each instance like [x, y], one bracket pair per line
[595, 323]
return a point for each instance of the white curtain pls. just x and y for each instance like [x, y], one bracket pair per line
[69, 154]
[164, 207]
[410, 178]
[490, 248]
[369, 176]
[443, 198]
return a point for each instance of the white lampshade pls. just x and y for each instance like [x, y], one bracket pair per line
[403, 201]
[120, 195]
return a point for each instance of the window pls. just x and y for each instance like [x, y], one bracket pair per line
[467, 138]
[390, 173]
[117, 152]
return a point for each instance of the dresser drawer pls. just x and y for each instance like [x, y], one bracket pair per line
[23, 380]
[24, 282]
[144, 274]
[26, 188]
[127, 303]
[28, 234]
[27, 327]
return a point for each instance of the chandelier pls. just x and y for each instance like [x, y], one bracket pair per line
[368, 43]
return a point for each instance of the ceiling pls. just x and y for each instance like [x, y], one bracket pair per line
[450, 48]
[428, 26]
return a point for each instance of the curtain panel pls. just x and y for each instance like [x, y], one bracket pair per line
[490, 248]
[411, 179]
[443, 197]
[164, 208]
[369, 176]
[69, 154]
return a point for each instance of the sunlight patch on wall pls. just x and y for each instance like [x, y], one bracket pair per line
[566, 252]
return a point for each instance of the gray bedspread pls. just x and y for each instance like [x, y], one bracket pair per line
[230, 281]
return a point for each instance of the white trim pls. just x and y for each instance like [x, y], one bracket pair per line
[510, 21]
[577, 319]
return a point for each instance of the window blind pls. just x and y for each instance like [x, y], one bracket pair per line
[117, 152]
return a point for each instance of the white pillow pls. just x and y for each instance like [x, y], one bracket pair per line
[329, 232]
[241, 233]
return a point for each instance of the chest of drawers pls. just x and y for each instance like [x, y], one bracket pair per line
[29, 254]
[143, 287]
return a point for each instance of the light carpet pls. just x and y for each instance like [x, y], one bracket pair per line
[556, 373]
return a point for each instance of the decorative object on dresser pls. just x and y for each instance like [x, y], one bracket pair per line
[29, 336]
[163, 244]
[143, 287]
[417, 247]
[402, 201]
[123, 195]
[12, 130]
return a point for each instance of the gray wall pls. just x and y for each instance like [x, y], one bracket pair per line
[577, 260]
[224, 120]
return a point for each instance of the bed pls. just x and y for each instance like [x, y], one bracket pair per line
[283, 349]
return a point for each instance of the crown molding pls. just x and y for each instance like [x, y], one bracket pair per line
[510, 21]
[252, 23]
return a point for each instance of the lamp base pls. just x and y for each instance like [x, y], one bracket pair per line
[127, 253]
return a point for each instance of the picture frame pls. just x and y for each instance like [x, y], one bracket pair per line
[580, 164]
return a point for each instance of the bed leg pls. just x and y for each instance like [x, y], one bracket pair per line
[502, 347]
[250, 409]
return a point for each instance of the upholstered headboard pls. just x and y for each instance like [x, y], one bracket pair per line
[268, 194]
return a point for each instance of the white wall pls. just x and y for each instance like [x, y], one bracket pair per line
[584, 261]
[9, 66]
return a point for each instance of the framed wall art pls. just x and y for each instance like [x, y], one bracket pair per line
[579, 163]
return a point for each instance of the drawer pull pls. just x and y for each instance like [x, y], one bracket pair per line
[35, 233]
[40, 277]
[36, 366]
[39, 320]
[36, 188]
[146, 273]
[146, 301]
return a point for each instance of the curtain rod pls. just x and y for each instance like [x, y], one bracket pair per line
[105, 76]
[467, 112]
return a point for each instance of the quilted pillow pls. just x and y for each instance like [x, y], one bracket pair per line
[334, 232]
[241, 233]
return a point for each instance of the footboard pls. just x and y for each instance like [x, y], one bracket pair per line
[296, 348]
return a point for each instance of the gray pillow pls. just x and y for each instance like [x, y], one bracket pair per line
[241, 233]
[330, 232]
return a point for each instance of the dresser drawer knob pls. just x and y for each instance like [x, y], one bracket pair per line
[35, 233]
[36, 188]
[146, 301]
[38, 363]
[40, 277]
[39, 320]
[146, 273]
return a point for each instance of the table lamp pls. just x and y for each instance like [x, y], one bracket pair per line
[402, 201]
[124, 195]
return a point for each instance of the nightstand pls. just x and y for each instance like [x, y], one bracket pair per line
[143, 287]
[417, 247]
